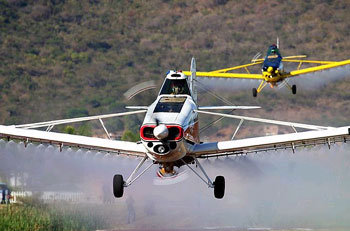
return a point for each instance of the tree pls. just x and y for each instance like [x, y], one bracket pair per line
[130, 136]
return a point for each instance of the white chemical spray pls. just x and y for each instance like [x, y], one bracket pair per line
[277, 189]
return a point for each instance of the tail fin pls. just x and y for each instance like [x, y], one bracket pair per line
[193, 80]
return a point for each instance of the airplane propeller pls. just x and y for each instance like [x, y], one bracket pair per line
[141, 87]
[161, 132]
[256, 56]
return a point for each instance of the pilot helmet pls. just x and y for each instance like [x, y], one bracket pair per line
[176, 88]
[273, 49]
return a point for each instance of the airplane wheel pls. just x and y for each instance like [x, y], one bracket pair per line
[294, 89]
[118, 186]
[255, 92]
[219, 187]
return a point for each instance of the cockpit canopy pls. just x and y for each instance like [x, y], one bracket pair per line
[273, 58]
[273, 52]
[175, 87]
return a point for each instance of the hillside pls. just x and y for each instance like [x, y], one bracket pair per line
[61, 59]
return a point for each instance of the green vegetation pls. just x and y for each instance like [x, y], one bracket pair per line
[61, 59]
[83, 130]
[38, 216]
[130, 136]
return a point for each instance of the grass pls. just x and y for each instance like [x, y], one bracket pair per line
[30, 217]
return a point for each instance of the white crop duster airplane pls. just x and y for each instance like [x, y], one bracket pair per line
[170, 135]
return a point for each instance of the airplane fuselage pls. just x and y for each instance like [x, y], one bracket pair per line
[170, 126]
[272, 68]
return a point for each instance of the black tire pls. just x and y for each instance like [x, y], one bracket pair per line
[219, 187]
[118, 186]
[255, 92]
[294, 89]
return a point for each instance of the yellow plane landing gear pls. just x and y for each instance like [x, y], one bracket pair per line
[261, 86]
[255, 92]
[292, 88]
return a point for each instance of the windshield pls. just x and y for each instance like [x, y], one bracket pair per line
[175, 87]
[170, 104]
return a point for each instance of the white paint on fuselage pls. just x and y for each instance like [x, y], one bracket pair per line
[185, 118]
[182, 118]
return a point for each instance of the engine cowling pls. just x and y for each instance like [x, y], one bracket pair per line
[175, 132]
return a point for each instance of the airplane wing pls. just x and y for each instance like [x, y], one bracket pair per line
[80, 119]
[228, 107]
[24, 132]
[267, 121]
[284, 58]
[268, 143]
[238, 67]
[327, 65]
[226, 75]
[300, 61]
[222, 73]
[62, 140]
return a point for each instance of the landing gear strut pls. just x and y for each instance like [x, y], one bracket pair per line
[119, 184]
[261, 86]
[218, 184]
[293, 88]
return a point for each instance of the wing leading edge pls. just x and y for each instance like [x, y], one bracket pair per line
[61, 139]
[222, 73]
[319, 68]
[226, 75]
[285, 141]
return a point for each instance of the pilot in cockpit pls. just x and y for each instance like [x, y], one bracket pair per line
[176, 88]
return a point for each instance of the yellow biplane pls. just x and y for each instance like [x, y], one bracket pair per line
[273, 71]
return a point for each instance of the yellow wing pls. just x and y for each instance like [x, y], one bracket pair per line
[238, 67]
[221, 73]
[225, 75]
[284, 58]
[327, 65]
